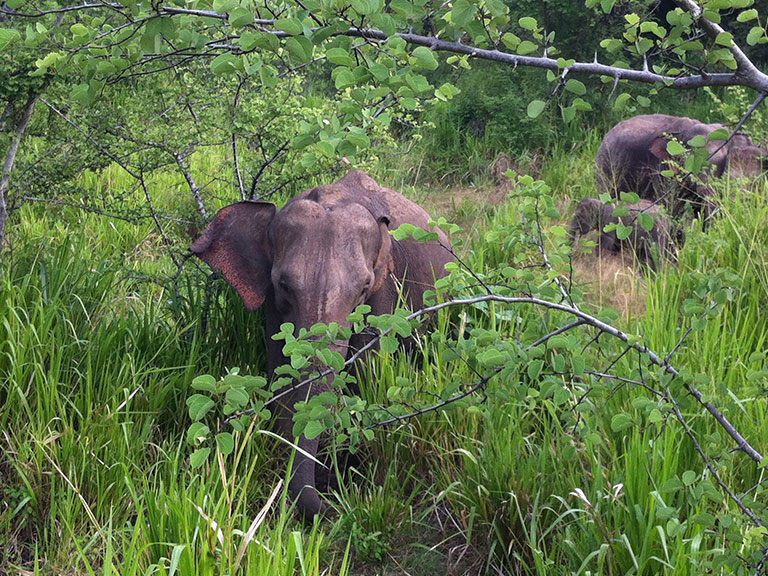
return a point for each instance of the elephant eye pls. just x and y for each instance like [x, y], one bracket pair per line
[285, 286]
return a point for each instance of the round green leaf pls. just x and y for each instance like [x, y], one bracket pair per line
[237, 397]
[289, 25]
[206, 382]
[535, 108]
[197, 433]
[313, 429]
[576, 86]
[199, 406]
[199, 457]
[620, 422]
[225, 442]
[675, 148]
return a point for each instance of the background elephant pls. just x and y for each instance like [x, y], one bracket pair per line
[592, 214]
[632, 155]
[326, 252]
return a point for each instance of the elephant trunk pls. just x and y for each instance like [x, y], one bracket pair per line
[301, 486]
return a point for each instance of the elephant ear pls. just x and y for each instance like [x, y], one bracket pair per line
[385, 263]
[236, 243]
[658, 148]
[746, 158]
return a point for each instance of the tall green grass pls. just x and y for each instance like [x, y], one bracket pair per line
[96, 358]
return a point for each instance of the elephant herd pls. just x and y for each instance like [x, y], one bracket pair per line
[634, 157]
[329, 249]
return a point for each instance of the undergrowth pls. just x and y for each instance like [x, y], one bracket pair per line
[97, 356]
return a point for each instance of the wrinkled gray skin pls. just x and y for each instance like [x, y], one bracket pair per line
[591, 214]
[327, 251]
[633, 153]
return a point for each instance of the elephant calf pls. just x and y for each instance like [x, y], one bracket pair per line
[326, 252]
[592, 214]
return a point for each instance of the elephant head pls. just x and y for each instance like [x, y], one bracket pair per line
[326, 252]
[592, 214]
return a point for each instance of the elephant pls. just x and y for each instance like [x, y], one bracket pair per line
[634, 152]
[592, 214]
[325, 252]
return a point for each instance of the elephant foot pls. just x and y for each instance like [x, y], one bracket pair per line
[308, 502]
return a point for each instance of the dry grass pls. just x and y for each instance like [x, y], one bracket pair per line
[611, 280]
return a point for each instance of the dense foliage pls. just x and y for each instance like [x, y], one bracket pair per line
[563, 413]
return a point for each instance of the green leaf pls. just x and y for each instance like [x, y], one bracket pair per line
[672, 485]
[199, 406]
[534, 368]
[379, 72]
[388, 344]
[313, 429]
[724, 39]
[561, 395]
[576, 87]
[621, 422]
[105, 68]
[621, 101]
[199, 457]
[754, 35]
[300, 48]
[222, 6]
[240, 17]
[7, 37]
[535, 108]
[289, 25]
[237, 397]
[344, 78]
[365, 7]
[689, 477]
[425, 57]
[757, 357]
[463, 12]
[645, 220]
[719, 134]
[674, 148]
[341, 57]
[582, 105]
[704, 519]
[510, 41]
[226, 63]
[747, 15]
[225, 442]
[528, 23]
[205, 382]
[401, 326]
[623, 232]
[526, 47]
[197, 432]
[491, 357]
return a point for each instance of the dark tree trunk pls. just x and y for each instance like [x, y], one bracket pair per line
[10, 158]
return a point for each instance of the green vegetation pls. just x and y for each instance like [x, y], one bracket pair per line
[507, 439]
[587, 477]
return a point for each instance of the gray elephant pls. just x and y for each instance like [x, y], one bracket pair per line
[592, 214]
[634, 152]
[326, 252]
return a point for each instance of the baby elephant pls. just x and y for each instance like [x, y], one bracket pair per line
[592, 214]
